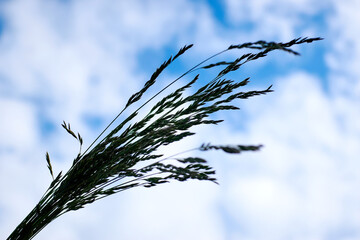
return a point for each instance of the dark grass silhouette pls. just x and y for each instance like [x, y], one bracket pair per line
[111, 163]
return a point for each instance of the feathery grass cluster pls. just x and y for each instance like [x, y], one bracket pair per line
[111, 165]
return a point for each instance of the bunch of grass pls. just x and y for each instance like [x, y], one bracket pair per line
[111, 165]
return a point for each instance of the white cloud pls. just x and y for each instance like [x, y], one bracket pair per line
[18, 124]
[276, 20]
[298, 185]
[342, 60]
[19, 147]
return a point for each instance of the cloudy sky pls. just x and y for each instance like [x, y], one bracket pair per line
[79, 61]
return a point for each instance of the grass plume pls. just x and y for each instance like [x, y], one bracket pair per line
[110, 164]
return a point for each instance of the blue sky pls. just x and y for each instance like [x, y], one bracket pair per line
[79, 61]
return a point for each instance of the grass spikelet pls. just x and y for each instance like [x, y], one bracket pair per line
[68, 129]
[49, 164]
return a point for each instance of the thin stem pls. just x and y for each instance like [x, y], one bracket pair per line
[112, 181]
[159, 92]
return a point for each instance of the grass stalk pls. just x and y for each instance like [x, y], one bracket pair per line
[110, 165]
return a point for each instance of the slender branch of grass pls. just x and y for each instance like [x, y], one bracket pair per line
[154, 96]
[112, 165]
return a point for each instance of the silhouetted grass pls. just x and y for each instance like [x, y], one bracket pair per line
[110, 165]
